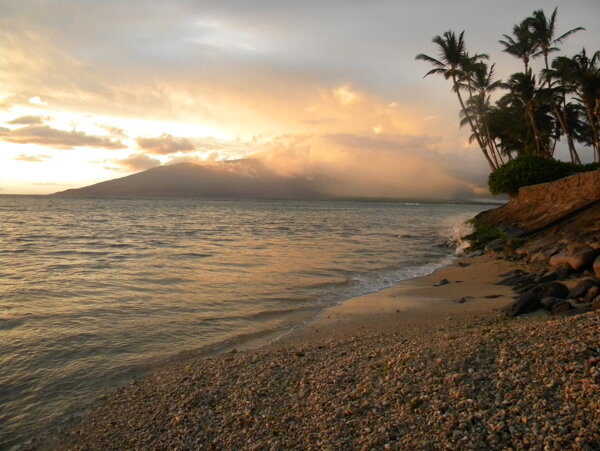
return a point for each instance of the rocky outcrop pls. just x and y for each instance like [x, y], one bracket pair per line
[539, 206]
[555, 227]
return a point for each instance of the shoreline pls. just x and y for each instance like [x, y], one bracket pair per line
[242, 390]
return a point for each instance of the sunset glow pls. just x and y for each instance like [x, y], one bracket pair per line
[90, 94]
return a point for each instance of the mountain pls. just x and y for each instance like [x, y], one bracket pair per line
[245, 178]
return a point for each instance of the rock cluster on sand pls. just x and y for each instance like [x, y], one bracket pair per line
[482, 384]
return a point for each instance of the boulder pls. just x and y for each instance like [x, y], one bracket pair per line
[561, 307]
[596, 266]
[591, 294]
[495, 246]
[546, 277]
[563, 271]
[577, 257]
[525, 303]
[582, 287]
[549, 302]
[553, 289]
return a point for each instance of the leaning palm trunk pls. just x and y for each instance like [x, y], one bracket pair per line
[541, 151]
[473, 128]
[592, 121]
[561, 120]
[565, 128]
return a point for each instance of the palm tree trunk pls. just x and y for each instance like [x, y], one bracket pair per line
[595, 142]
[468, 116]
[561, 119]
[536, 134]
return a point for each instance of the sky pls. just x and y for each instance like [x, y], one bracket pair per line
[91, 91]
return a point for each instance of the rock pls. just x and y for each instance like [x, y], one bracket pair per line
[553, 289]
[581, 288]
[549, 302]
[517, 280]
[460, 301]
[591, 294]
[563, 271]
[494, 246]
[525, 303]
[596, 266]
[561, 307]
[442, 282]
[546, 277]
[596, 303]
[463, 264]
[515, 272]
[577, 257]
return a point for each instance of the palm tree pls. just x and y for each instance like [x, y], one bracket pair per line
[583, 73]
[523, 45]
[481, 81]
[450, 65]
[525, 92]
[543, 30]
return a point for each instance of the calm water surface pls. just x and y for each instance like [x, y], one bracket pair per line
[95, 291]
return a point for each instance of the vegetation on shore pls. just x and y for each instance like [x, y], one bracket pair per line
[562, 101]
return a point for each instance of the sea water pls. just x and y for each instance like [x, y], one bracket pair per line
[97, 291]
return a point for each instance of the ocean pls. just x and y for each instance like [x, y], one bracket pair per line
[96, 292]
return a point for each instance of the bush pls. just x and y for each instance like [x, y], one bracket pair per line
[530, 170]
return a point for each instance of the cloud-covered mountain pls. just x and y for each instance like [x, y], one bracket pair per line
[233, 179]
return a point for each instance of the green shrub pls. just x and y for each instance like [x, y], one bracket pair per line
[530, 170]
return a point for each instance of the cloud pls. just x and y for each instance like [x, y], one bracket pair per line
[37, 100]
[32, 158]
[165, 144]
[27, 120]
[137, 162]
[396, 166]
[346, 96]
[59, 139]
[114, 131]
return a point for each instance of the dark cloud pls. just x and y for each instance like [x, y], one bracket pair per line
[165, 145]
[32, 158]
[59, 139]
[27, 120]
[137, 162]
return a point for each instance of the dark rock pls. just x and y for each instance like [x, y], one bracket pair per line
[546, 277]
[577, 257]
[492, 296]
[596, 266]
[460, 301]
[549, 302]
[561, 307]
[517, 280]
[591, 294]
[563, 271]
[525, 303]
[554, 289]
[515, 272]
[596, 303]
[583, 286]
[442, 282]
[494, 246]
[525, 288]
[463, 264]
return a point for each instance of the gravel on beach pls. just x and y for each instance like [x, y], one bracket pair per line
[480, 383]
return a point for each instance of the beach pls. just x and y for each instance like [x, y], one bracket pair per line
[430, 363]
